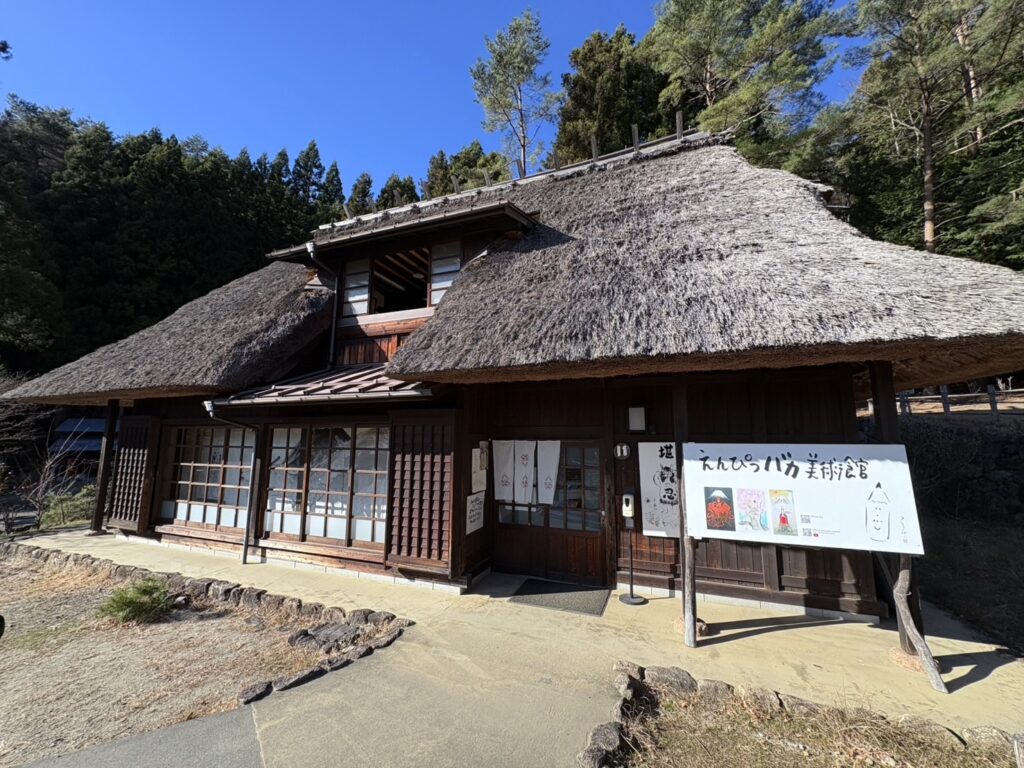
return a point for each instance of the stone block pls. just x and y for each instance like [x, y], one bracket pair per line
[254, 692]
[671, 680]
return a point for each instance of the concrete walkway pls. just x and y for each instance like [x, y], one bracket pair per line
[481, 681]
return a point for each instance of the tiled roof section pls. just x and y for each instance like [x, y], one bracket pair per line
[354, 382]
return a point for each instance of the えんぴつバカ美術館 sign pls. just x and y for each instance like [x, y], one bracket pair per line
[848, 496]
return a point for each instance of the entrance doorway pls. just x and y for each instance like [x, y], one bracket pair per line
[566, 540]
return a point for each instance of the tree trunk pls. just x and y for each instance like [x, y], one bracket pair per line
[928, 165]
[972, 89]
[900, 592]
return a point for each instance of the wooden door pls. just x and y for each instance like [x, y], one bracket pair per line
[564, 541]
[131, 488]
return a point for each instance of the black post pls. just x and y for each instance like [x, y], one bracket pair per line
[631, 599]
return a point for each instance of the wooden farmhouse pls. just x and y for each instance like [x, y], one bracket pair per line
[326, 408]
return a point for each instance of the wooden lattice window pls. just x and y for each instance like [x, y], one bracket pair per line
[329, 483]
[210, 477]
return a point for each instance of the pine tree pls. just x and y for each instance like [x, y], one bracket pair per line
[331, 202]
[360, 200]
[397, 191]
[612, 86]
[438, 182]
[472, 166]
[307, 176]
[515, 95]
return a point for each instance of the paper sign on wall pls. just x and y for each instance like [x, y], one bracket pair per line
[475, 512]
[478, 473]
[659, 489]
[843, 496]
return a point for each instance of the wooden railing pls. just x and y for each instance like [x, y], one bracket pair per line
[992, 402]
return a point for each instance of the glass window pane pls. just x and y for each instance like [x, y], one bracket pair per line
[341, 437]
[290, 524]
[362, 506]
[366, 459]
[293, 479]
[228, 517]
[366, 437]
[384, 437]
[339, 481]
[592, 479]
[336, 527]
[382, 460]
[230, 496]
[337, 505]
[522, 515]
[232, 476]
[591, 456]
[340, 458]
[199, 474]
[234, 456]
[380, 508]
[592, 501]
[556, 518]
[317, 504]
[318, 480]
[537, 516]
[364, 482]
[277, 457]
[573, 457]
[235, 436]
[574, 521]
[321, 438]
[382, 484]
[214, 475]
[243, 499]
[506, 514]
[593, 521]
[280, 438]
[277, 478]
[295, 437]
[315, 525]
[362, 529]
[380, 530]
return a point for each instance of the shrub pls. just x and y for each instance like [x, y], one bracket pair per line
[61, 509]
[144, 601]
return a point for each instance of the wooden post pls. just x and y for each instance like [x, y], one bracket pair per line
[636, 137]
[554, 157]
[887, 430]
[687, 545]
[992, 403]
[904, 404]
[944, 394]
[106, 461]
[593, 145]
[679, 124]
[901, 591]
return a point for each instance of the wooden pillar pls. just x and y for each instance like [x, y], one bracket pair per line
[106, 461]
[687, 545]
[887, 430]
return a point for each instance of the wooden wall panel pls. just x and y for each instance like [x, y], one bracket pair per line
[131, 490]
[422, 490]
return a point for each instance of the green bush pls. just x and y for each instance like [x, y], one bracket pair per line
[61, 509]
[144, 601]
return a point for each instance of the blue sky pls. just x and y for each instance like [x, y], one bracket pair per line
[380, 86]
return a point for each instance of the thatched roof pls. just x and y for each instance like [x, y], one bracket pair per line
[688, 258]
[227, 340]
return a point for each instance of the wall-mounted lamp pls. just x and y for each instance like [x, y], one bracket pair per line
[638, 419]
[622, 451]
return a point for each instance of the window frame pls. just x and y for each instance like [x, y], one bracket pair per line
[187, 453]
[586, 514]
[349, 540]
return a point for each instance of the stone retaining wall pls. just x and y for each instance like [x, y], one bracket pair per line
[343, 636]
[640, 690]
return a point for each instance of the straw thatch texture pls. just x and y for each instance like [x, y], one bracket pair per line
[224, 341]
[696, 260]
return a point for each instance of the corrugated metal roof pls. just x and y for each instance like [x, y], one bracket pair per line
[353, 382]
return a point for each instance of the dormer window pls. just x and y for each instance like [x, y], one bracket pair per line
[400, 280]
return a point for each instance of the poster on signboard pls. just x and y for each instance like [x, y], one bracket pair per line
[478, 469]
[659, 489]
[475, 512]
[841, 496]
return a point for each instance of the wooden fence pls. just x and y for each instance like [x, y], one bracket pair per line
[992, 402]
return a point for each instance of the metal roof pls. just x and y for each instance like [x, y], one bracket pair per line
[352, 382]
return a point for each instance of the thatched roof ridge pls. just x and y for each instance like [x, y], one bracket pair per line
[696, 260]
[227, 340]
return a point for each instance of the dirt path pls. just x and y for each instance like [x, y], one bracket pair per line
[69, 679]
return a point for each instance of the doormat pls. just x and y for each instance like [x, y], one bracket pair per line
[562, 597]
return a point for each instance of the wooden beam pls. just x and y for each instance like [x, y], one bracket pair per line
[687, 545]
[887, 430]
[106, 461]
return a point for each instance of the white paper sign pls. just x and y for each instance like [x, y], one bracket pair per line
[475, 512]
[659, 489]
[844, 496]
[478, 475]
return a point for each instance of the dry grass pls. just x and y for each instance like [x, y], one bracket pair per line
[69, 679]
[692, 734]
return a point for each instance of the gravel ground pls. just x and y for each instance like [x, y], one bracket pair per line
[69, 679]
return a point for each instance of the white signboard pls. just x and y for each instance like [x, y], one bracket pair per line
[842, 496]
[475, 512]
[659, 489]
